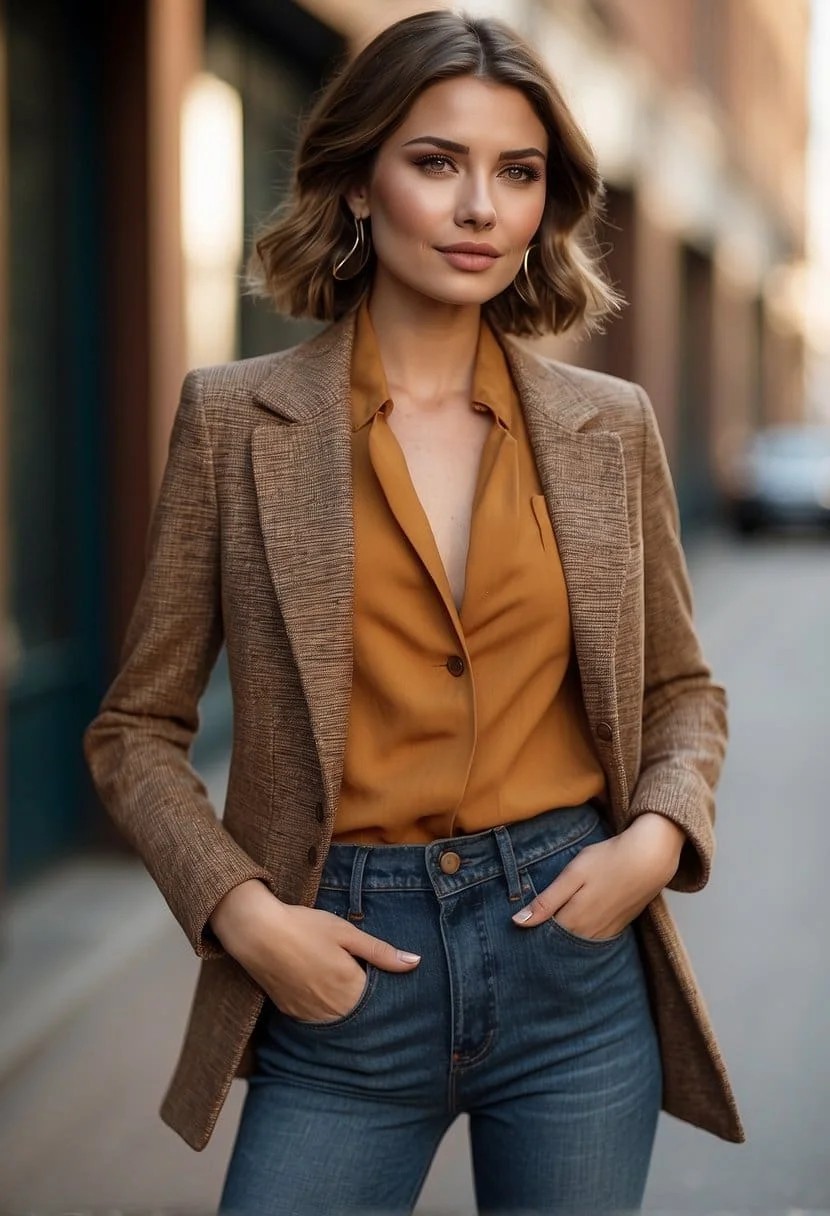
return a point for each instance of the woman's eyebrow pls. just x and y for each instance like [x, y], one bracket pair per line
[449, 145]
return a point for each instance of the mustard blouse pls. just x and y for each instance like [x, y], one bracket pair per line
[459, 721]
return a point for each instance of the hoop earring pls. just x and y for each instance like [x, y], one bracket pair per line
[533, 299]
[362, 246]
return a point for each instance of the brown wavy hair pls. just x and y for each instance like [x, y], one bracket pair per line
[360, 107]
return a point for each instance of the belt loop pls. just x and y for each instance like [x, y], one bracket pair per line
[508, 858]
[361, 856]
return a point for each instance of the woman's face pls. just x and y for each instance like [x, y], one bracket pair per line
[466, 167]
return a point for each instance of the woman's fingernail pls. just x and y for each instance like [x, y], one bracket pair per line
[407, 957]
[523, 915]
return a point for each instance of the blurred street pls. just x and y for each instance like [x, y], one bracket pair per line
[78, 1122]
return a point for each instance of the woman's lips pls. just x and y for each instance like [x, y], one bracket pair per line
[469, 261]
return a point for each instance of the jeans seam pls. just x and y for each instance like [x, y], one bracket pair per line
[413, 1198]
[551, 853]
[559, 848]
[459, 1065]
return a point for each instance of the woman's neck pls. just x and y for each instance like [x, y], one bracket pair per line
[427, 347]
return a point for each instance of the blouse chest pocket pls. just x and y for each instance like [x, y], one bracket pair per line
[539, 507]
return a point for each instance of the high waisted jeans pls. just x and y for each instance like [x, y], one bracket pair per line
[544, 1038]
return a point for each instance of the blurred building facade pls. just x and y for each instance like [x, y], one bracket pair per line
[141, 144]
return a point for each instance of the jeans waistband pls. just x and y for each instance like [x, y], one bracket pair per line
[479, 855]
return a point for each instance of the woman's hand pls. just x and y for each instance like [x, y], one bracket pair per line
[303, 958]
[609, 883]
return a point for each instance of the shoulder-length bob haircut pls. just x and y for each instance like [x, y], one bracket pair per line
[361, 107]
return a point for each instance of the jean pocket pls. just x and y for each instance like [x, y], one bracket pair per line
[538, 875]
[351, 1014]
[336, 900]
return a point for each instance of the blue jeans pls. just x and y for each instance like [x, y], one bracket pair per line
[544, 1038]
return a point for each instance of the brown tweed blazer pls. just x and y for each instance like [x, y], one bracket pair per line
[251, 543]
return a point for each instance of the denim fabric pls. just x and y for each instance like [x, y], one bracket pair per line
[543, 1037]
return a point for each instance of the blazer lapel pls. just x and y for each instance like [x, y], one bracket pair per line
[583, 477]
[302, 474]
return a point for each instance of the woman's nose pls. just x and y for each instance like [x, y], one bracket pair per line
[475, 207]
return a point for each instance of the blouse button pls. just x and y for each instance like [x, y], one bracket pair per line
[455, 665]
[605, 731]
[312, 856]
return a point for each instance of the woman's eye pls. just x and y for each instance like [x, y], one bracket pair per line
[522, 173]
[437, 163]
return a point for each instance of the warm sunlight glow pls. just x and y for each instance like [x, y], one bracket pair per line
[212, 217]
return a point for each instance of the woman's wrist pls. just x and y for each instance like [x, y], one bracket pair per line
[240, 909]
[662, 837]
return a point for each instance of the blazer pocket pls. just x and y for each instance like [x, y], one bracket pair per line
[540, 512]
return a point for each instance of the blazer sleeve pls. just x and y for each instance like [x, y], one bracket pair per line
[684, 710]
[137, 748]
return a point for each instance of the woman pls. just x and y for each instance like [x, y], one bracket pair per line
[474, 734]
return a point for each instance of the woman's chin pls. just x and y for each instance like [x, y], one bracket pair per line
[452, 294]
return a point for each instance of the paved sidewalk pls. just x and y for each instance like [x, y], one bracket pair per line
[65, 936]
[66, 933]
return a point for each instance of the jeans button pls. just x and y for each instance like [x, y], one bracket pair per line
[449, 862]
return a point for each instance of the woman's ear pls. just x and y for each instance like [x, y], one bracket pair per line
[357, 198]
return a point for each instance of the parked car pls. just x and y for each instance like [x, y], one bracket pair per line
[782, 477]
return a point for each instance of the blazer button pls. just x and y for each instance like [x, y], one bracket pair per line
[605, 731]
[455, 665]
[319, 813]
[312, 856]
